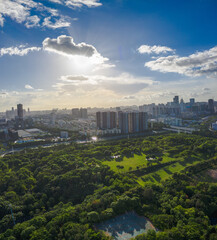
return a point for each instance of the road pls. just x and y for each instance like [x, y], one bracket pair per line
[46, 145]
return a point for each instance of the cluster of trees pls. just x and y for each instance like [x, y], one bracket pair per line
[183, 208]
[61, 192]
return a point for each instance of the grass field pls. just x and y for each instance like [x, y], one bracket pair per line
[165, 172]
[137, 160]
[133, 162]
[140, 161]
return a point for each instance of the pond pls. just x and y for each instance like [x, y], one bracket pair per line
[125, 226]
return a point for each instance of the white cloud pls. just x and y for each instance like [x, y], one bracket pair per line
[154, 49]
[15, 10]
[65, 45]
[27, 86]
[129, 98]
[1, 21]
[72, 78]
[59, 23]
[32, 21]
[78, 3]
[198, 64]
[122, 84]
[56, 1]
[84, 55]
[20, 51]
[21, 12]
[3, 94]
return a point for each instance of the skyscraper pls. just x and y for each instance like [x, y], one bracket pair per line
[192, 101]
[20, 111]
[176, 99]
[211, 106]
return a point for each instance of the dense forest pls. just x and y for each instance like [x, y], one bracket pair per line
[63, 191]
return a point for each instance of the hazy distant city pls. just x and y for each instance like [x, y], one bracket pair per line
[23, 125]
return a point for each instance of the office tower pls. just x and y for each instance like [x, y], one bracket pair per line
[75, 113]
[83, 113]
[176, 99]
[182, 105]
[20, 111]
[8, 114]
[192, 101]
[118, 109]
[211, 106]
[13, 112]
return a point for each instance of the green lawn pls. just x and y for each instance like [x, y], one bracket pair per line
[134, 162]
[137, 160]
[166, 172]
[155, 177]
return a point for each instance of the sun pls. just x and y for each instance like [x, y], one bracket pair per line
[87, 65]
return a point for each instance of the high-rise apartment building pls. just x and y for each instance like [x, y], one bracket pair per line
[123, 122]
[99, 120]
[83, 112]
[79, 113]
[75, 113]
[128, 122]
[106, 120]
[143, 121]
[113, 120]
[133, 122]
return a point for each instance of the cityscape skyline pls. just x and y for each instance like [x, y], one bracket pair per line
[77, 108]
[97, 53]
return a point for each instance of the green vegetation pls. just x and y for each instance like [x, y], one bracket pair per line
[128, 164]
[61, 192]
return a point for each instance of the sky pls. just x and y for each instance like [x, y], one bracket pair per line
[105, 53]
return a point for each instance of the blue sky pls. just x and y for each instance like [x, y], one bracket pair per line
[80, 53]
